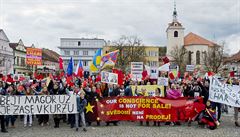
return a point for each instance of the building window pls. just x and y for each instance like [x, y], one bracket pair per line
[175, 33]
[76, 52]
[1, 62]
[189, 57]
[79, 43]
[198, 57]
[17, 61]
[67, 52]
[75, 62]
[85, 63]
[85, 53]
[22, 61]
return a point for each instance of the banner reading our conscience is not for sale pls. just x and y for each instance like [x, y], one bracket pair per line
[148, 108]
[41, 104]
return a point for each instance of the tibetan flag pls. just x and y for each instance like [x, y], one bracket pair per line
[109, 59]
[79, 69]
[112, 56]
[60, 63]
[96, 61]
[70, 67]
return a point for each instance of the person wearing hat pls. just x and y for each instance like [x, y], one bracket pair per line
[2, 92]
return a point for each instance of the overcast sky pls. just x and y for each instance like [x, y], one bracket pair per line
[44, 22]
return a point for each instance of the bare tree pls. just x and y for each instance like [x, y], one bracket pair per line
[213, 58]
[131, 49]
[179, 56]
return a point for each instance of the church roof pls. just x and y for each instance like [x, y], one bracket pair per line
[194, 39]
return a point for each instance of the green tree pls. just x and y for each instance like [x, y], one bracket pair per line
[179, 56]
[213, 58]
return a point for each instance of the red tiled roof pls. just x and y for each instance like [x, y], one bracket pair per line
[50, 55]
[194, 39]
[233, 58]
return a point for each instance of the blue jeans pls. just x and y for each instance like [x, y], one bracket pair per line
[219, 109]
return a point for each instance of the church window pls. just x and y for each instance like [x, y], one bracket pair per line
[198, 57]
[189, 57]
[175, 33]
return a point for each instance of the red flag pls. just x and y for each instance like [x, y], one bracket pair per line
[210, 73]
[171, 76]
[179, 74]
[120, 77]
[21, 78]
[98, 78]
[165, 60]
[69, 81]
[144, 74]
[60, 63]
[9, 79]
[232, 74]
[61, 74]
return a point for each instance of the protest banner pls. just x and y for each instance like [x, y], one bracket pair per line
[33, 56]
[224, 93]
[148, 108]
[150, 89]
[107, 77]
[190, 68]
[136, 71]
[153, 73]
[46, 69]
[40, 104]
[164, 67]
[163, 81]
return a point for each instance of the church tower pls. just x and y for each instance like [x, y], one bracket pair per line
[175, 33]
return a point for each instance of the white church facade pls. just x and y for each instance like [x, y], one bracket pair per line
[193, 43]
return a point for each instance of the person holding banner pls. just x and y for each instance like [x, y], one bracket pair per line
[236, 109]
[43, 118]
[157, 94]
[2, 93]
[10, 91]
[81, 104]
[56, 117]
[28, 92]
[174, 93]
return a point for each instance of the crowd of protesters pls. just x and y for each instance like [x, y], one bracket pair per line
[88, 90]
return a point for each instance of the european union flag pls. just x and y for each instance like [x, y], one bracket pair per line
[70, 67]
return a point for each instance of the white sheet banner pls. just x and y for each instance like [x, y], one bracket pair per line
[40, 104]
[224, 93]
[163, 81]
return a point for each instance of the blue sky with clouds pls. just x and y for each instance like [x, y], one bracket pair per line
[44, 22]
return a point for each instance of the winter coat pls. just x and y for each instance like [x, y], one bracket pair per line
[81, 104]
